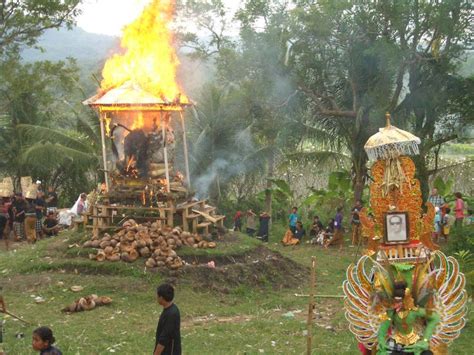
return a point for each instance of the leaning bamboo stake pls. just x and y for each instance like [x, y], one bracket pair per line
[320, 296]
[14, 316]
[309, 322]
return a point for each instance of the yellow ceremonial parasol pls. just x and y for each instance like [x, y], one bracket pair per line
[391, 142]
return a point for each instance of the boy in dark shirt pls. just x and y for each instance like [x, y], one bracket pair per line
[264, 227]
[316, 227]
[52, 200]
[299, 232]
[50, 225]
[168, 337]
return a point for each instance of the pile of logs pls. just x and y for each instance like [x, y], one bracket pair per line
[147, 240]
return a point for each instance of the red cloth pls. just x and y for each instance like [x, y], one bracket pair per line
[237, 215]
[459, 209]
[362, 349]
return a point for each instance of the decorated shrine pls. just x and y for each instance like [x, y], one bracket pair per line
[403, 296]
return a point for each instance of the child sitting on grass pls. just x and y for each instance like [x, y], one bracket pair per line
[43, 341]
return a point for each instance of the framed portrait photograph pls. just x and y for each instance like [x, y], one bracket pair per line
[396, 227]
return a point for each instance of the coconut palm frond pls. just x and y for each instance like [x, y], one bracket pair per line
[40, 133]
[91, 130]
[320, 132]
[46, 154]
[258, 157]
[319, 157]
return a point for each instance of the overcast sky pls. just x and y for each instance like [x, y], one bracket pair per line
[110, 16]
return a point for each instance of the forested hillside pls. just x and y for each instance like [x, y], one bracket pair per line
[59, 44]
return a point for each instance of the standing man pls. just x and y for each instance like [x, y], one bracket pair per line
[356, 223]
[263, 228]
[19, 210]
[293, 219]
[435, 198]
[251, 224]
[52, 200]
[168, 336]
[40, 205]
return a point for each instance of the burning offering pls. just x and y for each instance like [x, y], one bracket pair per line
[137, 97]
[141, 105]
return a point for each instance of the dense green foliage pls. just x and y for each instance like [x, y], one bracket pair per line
[287, 89]
[45, 132]
[314, 80]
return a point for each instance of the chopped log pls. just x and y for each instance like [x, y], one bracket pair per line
[207, 216]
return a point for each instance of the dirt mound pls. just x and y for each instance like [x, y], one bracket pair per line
[259, 268]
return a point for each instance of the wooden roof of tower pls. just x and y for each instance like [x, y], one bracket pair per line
[132, 97]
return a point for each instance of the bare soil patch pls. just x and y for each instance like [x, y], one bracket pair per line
[259, 268]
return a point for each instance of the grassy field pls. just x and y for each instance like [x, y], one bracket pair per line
[237, 318]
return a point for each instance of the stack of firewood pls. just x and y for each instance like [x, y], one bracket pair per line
[147, 240]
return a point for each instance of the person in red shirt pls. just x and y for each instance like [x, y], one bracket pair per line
[459, 209]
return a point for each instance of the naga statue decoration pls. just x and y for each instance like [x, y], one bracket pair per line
[403, 296]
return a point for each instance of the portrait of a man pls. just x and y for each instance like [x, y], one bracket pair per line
[396, 227]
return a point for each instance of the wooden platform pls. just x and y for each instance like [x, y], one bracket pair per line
[195, 216]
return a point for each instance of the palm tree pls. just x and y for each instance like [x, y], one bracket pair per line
[38, 136]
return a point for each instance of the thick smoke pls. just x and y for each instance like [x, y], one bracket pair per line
[235, 160]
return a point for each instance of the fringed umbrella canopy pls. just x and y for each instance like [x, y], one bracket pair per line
[391, 142]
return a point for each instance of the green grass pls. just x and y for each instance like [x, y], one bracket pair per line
[244, 245]
[249, 320]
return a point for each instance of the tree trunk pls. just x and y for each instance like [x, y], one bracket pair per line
[359, 167]
[268, 190]
[359, 178]
[422, 174]
[359, 157]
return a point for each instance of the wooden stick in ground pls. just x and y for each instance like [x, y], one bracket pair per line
[14, 316]
[309, 322]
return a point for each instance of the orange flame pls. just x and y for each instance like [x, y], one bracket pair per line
[107, 121]
[139, 121]
[149, 59]
[131, 168]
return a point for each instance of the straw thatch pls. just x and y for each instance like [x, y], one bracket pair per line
[130, 94]
[6, 187]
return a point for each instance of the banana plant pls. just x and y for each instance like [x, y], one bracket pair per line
[445, 188]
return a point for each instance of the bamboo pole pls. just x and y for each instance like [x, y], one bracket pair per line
[167, 172]
[185, 145]
[309, 322]
[104, 151]
[320, 296]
